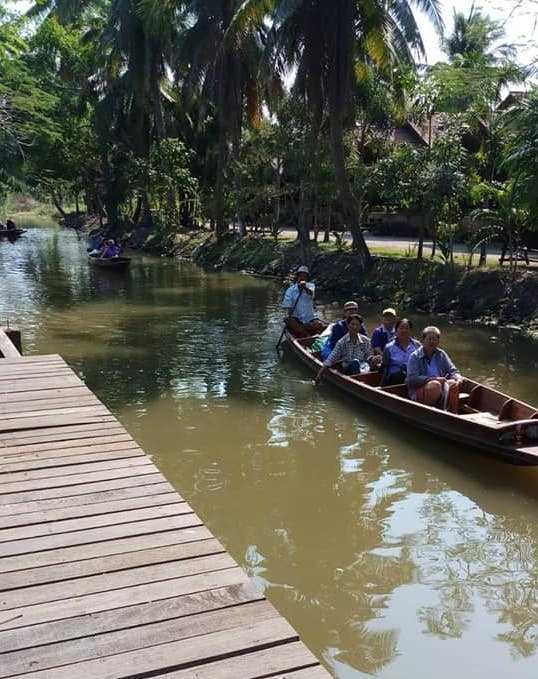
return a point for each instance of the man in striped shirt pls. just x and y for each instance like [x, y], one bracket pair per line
[353, 351]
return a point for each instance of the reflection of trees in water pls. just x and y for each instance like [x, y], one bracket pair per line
[205, 346]
[491, 557]
[318, 539]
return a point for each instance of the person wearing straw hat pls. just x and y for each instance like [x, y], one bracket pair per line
[299, 303]
[384, 333]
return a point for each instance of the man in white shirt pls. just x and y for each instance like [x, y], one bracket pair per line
[299, 303]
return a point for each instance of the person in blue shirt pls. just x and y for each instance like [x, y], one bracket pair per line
[397, 353]
[110, 250]
[299, 303]
[385, 333]
[340, 328]
[432, 377]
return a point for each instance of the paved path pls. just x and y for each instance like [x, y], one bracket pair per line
[105, 571]
[399, 243]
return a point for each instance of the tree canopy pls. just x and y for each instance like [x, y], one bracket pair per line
[176, 113]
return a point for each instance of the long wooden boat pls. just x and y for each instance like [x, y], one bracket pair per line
[111, 263]
[11, 233]
[488, 420]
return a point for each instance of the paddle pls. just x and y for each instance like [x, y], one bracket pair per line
[291, 314]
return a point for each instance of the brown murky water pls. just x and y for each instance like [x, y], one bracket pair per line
[393, 553]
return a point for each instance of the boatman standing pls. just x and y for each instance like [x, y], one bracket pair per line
[299, 303]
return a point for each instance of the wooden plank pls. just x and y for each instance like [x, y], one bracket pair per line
[16, 385]
[79, 495]
[40, 372]
[35, 373]
[317, 672]
[79, 524]
[29, 366]
[106, 601]
[38, 485]
[294, 659]
[65, 433]
[154, 498]
[83, 446]
[179, 654]
[130, 451]
[33, 577]
[135, 615]
[124, 641]
[88, 409]
[59, 471]
[45, 394]
[43, 545]
[52, 421]
[48, 404]
[131, 577]
[101, 549]
[35, 357]
[23, 365]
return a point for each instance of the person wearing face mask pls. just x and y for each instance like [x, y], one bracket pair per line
[432, 378]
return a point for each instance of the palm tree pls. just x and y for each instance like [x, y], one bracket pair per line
[522, 160]
[126, 85]
[222, 73]
[327, 42]
[476, 40]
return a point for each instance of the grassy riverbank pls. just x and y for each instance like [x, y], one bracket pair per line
[491, 296]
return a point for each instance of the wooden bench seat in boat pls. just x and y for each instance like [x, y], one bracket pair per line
[397, 389]
[487, 418]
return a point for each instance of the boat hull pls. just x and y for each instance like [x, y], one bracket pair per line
[451, 426]
[11, 233]
[111, 264]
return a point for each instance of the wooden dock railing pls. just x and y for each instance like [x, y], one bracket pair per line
[105, 571]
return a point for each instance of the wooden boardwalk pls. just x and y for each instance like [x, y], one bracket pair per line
[105, 571]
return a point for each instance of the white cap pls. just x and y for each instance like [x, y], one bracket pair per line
[303, 269]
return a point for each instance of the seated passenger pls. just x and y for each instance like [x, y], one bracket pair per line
[432, 378]
[299, 303]
[110, 250]
[339, 329]
[384, 334]
[397, 353]
[353, 351]
[10, 225]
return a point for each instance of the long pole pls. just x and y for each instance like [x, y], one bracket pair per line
[291, 314]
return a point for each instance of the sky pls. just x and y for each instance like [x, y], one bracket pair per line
[519, 17]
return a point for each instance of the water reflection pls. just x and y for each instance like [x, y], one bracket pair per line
[393, 553]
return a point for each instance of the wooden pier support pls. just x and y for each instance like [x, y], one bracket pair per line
[10, 342]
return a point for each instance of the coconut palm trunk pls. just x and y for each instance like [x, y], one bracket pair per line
[350, 204]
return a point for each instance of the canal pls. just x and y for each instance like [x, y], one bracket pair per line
[393, 553]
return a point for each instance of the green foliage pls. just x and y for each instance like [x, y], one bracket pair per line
[173, 191]
[522, 152]
[167, 113]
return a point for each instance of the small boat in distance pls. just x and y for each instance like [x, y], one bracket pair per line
[11, 234]
[488, 420]
[110, 263]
